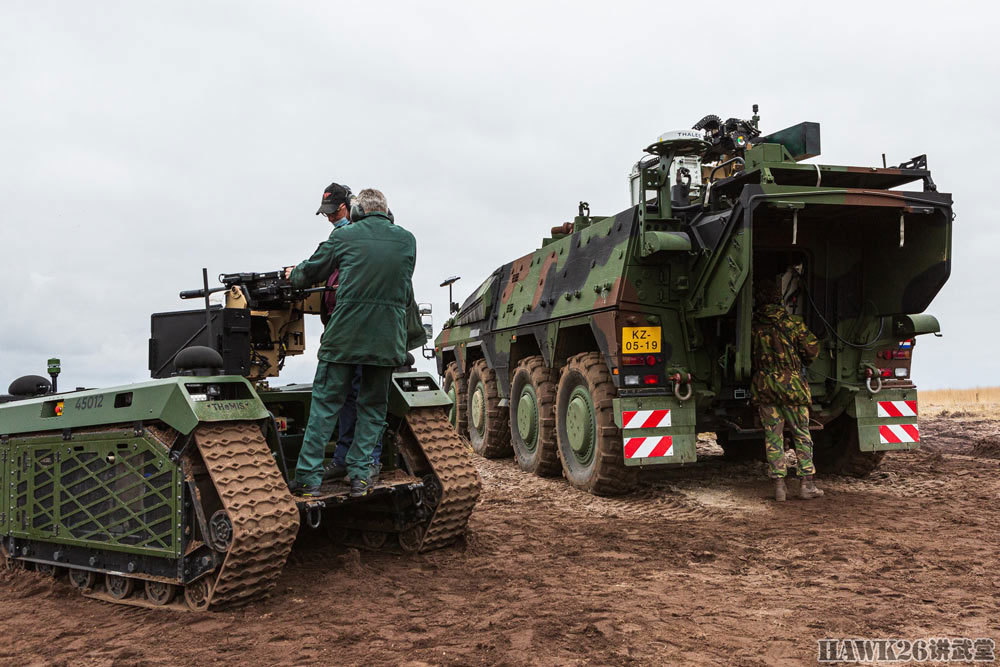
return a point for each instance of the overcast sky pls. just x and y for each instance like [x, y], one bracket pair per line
[144, 140]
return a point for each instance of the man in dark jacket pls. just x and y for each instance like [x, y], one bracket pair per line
[782, 346]
[367, 327]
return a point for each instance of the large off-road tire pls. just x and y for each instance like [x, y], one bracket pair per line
[590, 444]
[489, 430]
[533, 418]
[836, 452]
[740, 450]
[454, 385]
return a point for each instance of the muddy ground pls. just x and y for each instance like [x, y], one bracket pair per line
[701, 568]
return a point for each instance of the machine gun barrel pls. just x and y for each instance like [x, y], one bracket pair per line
[269, 287]
[198, 293]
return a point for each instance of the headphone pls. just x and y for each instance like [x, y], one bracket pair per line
[358, 211]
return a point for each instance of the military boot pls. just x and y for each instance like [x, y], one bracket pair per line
[360, 487]
[334, 471]
[808, 489]
[779, 489]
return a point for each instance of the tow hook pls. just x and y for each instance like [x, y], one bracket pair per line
[678, 379]
[873, 380]
[314, 514]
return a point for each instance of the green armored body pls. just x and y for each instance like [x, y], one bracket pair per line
[174, 492]
[612, 345]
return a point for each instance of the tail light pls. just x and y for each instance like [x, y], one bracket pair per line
[651, 379]
[633, 360]
[887, 372]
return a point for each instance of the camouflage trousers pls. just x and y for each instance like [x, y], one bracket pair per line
[773, 418]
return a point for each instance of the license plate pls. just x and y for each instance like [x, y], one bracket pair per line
[641, 340]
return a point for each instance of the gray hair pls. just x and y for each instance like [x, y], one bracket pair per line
[372, 200]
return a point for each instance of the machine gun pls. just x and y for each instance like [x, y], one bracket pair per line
[260, 291]
[260, 324]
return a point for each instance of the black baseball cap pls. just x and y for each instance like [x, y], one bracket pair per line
[334, 195]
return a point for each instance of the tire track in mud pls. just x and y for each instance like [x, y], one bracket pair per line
[698, 566]
[657, 499]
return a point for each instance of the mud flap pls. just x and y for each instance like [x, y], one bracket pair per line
[887, 420]
[656, 430]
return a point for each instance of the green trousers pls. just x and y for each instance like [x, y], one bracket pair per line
[329, 392]
[774, 418]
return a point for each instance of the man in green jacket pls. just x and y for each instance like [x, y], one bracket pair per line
[367, 327]
[781, 347]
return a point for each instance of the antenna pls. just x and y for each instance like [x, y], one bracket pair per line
[208, 309]
[452, 306]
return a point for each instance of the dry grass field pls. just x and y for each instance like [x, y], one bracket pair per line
[977, 402]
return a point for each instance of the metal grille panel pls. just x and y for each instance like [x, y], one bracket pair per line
[119, 494]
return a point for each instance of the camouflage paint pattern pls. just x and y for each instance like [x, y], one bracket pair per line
[782, 348]
[774, 418]
[872, 256]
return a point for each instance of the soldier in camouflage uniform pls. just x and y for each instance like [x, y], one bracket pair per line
[782, 346]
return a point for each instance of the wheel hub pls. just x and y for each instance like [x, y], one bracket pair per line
[478, 408]
[580, 425]
[220, 531]
[527, 418]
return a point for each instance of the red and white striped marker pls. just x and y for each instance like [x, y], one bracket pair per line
[895, 433]
[654, 447]
[897, 408]
[645, 418]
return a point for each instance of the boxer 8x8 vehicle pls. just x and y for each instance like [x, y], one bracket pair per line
[611, 346]
[173, 492]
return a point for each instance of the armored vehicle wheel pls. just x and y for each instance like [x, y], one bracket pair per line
[454, 385]
[220, 531]
[836, 451]
[432, 490]
[590, 444]
[532, 417]
[751, 449]
[196, 595]
[489, 430]
[160, 592]
[410, 539]
[373, 539]
[83, 580]
[118, 587]
[53, 571]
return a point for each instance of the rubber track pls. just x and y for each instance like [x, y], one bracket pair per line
[264, 515]
[452, 465]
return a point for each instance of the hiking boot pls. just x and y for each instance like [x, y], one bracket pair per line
[360, 487]
[373, 473]
[335, 472]
[808, 489]
[779, 489]
[297, 488]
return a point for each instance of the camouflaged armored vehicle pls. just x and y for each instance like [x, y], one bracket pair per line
[607, 349]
